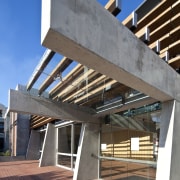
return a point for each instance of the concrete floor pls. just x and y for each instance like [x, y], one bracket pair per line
[29, 170]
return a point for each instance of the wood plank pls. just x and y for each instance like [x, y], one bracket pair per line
[101, 78]
[167, 39]
[39, 124]
[76, 82]
[165, 28]
[61, 66]
[72, 74]
[112, 8]
[111, 82]
[154, 13]
[175, 62]
[160, 19]
[173, 50]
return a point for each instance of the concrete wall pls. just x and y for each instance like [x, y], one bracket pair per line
[33, 146]
[23, 133]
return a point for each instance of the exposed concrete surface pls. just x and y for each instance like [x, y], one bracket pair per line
[83, 30]
[23, 123]
[87, 162]
[48, 155]
[33, 146]
[175, 160]
[165, 142]
[27, 104]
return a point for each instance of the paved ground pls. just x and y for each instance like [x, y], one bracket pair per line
[29, 170]
[118, 170]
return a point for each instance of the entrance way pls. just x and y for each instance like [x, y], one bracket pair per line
[67, 145]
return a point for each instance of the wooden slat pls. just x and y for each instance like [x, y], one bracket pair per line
[40, 119]
[76, 82]
[111, 82]
[175, 62]
[69, 77]
[173, 49]
[160, 19]
[165, 28]
[42, 123]
[63, 64]
[167, 39]
[111, 7]
[101, 78]
[165, 16]
[117, 90]
[154, 13]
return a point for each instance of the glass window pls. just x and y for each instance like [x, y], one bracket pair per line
[64, 139]
[129, 146]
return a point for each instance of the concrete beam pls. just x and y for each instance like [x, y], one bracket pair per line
[98, 40]
[27, 104]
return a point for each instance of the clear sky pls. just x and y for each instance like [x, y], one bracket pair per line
[20, 47]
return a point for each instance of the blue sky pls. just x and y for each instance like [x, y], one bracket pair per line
[20, 48]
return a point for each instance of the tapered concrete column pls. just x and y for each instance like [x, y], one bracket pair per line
[33, 146]
[175, 160]
[87, 162]
[48, 156]
[169, 147]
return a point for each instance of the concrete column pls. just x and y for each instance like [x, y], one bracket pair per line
[175, 160]
[33, 146]
[87, 162]
[48, 156]
[169, 148]
[23, 123]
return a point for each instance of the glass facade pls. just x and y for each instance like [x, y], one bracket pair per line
[129, 145]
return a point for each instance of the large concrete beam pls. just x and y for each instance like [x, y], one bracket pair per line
[83, 30]
[27, 104]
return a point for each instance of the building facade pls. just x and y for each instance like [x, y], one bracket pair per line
[114, 112]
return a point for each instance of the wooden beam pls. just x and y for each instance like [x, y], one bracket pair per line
[154, 13]
[167, 39]
[173, 50]
[63, 64]
[76, 82]
[175, 62]
[69, 77]
[111, 82]
[114, 7]
[101, 78]
[162, 18]
[165, 28]
[39, 124]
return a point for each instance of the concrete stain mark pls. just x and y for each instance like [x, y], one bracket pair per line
[139, 62]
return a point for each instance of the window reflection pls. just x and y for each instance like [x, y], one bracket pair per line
[129, 145]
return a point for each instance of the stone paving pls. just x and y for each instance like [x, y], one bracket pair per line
[29, 170]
